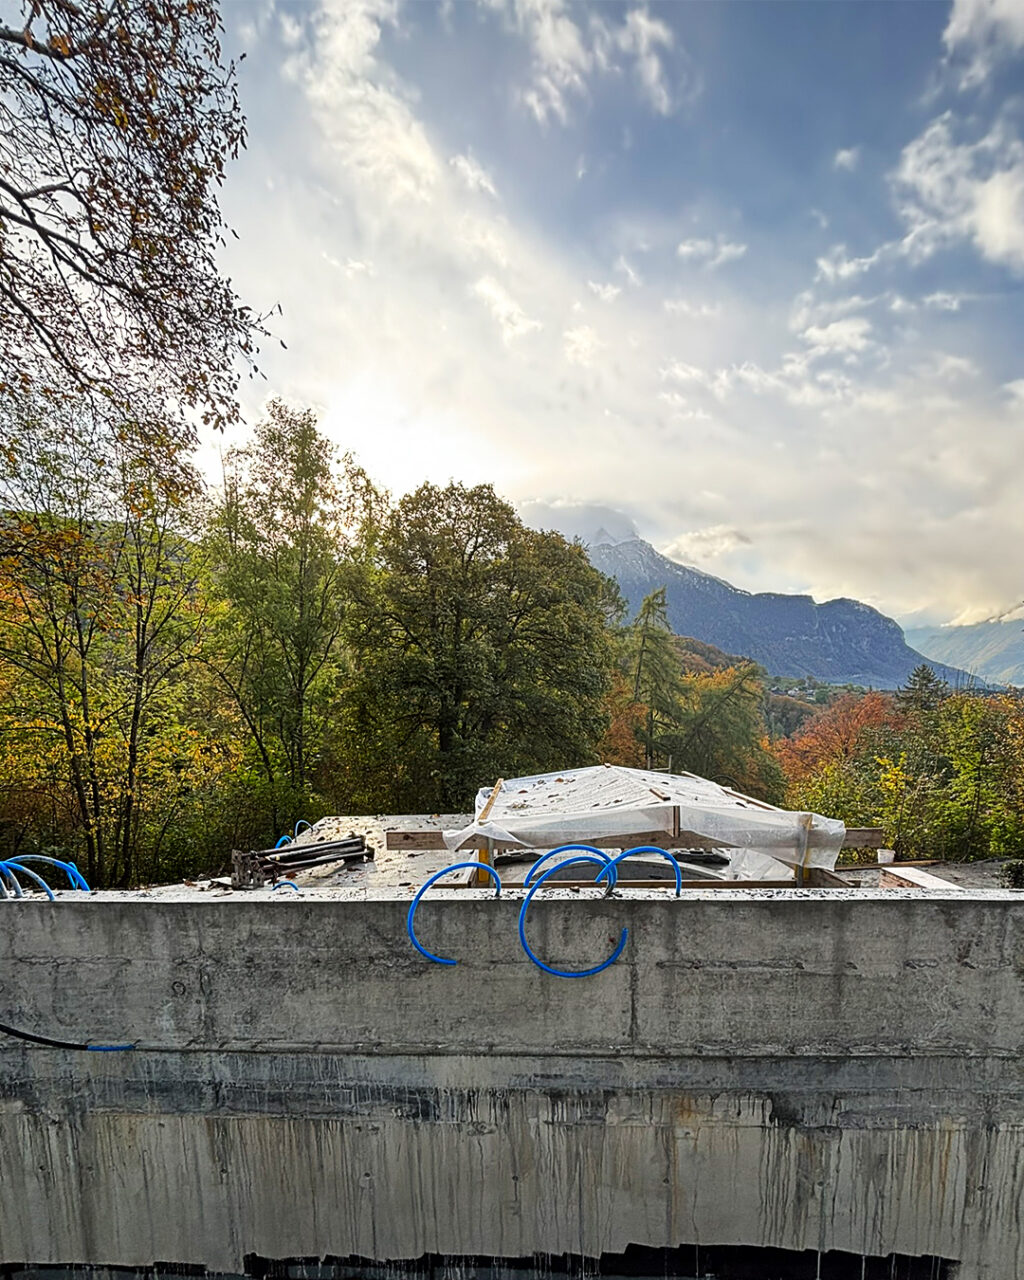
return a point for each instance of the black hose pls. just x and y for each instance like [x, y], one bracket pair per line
[61, 1044]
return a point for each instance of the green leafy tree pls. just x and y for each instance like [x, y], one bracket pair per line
[99, 580]
[280, 540]
[940, 772]
[720, 731]
[480, 648]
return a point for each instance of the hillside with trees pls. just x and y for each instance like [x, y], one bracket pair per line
[184, 671]
[940, 770]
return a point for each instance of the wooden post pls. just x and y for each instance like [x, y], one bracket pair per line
[486, 853]
[803, 844]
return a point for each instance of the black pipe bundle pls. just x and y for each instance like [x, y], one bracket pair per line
[298, 857]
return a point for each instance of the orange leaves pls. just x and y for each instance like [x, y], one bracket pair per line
[621, 743]
[835, 734]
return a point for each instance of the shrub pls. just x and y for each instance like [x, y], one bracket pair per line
[1011, 873]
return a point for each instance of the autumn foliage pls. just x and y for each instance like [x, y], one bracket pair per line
[836, 734]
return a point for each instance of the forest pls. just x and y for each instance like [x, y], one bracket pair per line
[189, 668]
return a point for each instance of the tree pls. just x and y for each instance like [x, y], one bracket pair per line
[835, 734]
[923, 691]
[720, 731]
[116, 123]
[654, 665]
[99, 578]
[279, 540]
[480, 649]
[623, 740]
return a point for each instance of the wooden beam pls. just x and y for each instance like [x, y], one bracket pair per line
[819, 878]
[485, 854]
[422, 840]
[855, 838]
[864, 838]
[894, 876]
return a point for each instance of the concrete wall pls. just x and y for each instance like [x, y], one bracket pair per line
[797, 1070]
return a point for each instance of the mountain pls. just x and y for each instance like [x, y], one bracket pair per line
[841, 641]
[993, 650]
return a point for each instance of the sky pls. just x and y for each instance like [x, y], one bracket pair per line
[746, 278]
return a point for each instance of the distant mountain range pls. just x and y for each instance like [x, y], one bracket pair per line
[841, 641]
[993, 650]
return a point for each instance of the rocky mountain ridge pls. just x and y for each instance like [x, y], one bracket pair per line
[992, 650]
[841, 641]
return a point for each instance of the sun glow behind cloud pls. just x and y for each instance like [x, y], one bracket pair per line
[817, 404]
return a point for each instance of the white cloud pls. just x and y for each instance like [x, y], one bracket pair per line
[361, 119]
[581, 345]
[711, 253]
[564, 55]
[983, 32]
[680, 371]
[484, 238]
[952, 191]
[846, 158]
[682, 307]
[632, 278]
[641, 35]
[943, 301]
[606, 292]
[702, 545]
[473, 174]
[1015, 391]
[809, 309]
[847, 337]
[944, 367]
[682, 408]
[510, 317]
[561, 60]
[836, 265]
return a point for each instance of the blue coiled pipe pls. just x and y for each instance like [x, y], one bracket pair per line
[7, 874]
[607, 864]
[25, 871]
[456, 866]
[290, 883]
[646, 848]
[564, 848]
[73, 874]
[302, 823]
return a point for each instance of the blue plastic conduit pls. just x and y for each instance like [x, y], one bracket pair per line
[564, 848]
[290, 883]
[647, 848]
[600, 861]
[283, 840]
[7, 874]
[302, 823]
[26, 871]
[456, 866]
[73, 874]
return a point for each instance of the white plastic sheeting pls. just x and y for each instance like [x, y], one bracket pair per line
[609, 801]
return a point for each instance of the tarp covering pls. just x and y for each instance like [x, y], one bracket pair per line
[609, 801]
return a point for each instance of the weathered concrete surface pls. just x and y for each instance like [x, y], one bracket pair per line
[802, 1070]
